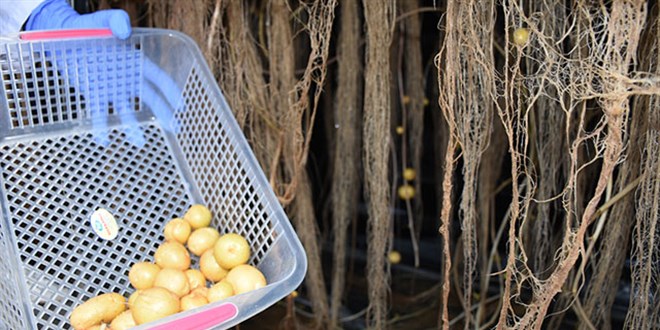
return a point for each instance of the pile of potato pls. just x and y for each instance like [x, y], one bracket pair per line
[168, 285]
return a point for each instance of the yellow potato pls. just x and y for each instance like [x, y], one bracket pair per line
[172, 255]
[196, 278]
[231, 250]
[202, 239]
[394, 257]
[174, 280]
[202, 291]
[123, 321]
[406, 192]
[210, 268]
[192, 301]
[154, 304]
[100, 309]
[143, 274]
[198, 216]
[219, 291]
[177, 230]
[131, 298]
[520, 36]
[409, 174]
[245, 278]
[102, 326]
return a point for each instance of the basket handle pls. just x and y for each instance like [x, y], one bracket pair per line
[202, 320]
[65, 34]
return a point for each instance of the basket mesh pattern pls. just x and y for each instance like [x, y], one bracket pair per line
[50, 82]
[219, 169]
[53, 185]
[11, 312]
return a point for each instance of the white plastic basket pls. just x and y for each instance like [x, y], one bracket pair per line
[55, 173]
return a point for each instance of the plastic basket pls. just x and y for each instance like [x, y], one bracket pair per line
[55, 174]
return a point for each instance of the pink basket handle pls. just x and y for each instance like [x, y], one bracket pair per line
[65, 34]
[202, 320]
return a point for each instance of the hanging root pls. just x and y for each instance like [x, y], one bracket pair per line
[379, 16]
[490, 171]
[190, 17]
[608, 266]
[547, 131]
[345, 187]
[242, 79]
[467, 90]
[644, 309]
[413, 107]
[296, 116]
[614, 47]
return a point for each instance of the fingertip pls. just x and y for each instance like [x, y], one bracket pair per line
[120, 24]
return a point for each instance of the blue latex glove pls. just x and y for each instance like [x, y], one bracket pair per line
[58, 14]
[97, 73]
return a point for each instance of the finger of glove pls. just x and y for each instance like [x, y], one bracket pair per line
[163, 112]
[162, 81]
[130, 125]
[116, 19]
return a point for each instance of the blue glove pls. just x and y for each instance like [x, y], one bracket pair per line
[105, 72]
[57, 14]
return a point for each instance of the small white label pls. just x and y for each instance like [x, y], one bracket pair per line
[104, 224]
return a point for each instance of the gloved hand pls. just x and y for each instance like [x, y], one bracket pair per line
[58, 14]
[106, 73]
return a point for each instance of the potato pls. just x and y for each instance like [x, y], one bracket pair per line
[202, 239]
[174, 280]
[131, 298]
[193, 300]
[245, 278]
[123, 321]
[520, 36]
[198, 216]
[231, 250]
[100, 309]
[202, 291]
[177, 230]
[219, 291]
[154, 304]
[409, 174]
[196, 278]
[172, 255]
[210, 268]
[143, 274]
[102, 326]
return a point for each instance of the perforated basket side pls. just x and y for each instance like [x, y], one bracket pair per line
[217, 160]
[53, 82]
[54, 184]
[12, 315]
